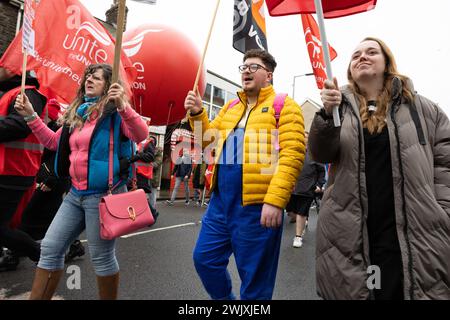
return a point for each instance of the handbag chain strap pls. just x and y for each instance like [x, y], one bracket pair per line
[111, 187]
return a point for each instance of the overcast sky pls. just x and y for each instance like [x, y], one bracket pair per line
[418, 33]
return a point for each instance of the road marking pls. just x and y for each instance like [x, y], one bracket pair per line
[159, 229]
[154, 230]
[22, 296]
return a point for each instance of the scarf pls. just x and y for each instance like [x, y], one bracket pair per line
[82, 109]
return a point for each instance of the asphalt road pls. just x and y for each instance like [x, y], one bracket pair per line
[157, 264]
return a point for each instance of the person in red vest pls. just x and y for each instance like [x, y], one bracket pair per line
[20, 158]
[47, 198]
[144, 168]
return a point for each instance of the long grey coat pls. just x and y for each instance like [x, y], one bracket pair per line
[421, 179]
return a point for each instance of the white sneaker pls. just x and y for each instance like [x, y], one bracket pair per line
[298, 242]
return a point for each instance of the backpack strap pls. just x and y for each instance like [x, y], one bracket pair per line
[278, 105]
[233, 103]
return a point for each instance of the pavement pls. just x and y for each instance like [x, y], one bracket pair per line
[156, 264]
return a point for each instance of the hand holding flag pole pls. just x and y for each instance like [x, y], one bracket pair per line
[333, 9]
[326, 54]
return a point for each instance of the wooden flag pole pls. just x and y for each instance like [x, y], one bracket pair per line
[203, 196]
[24, 71]
[197, 78]
[118, 46]
[25, 49]
[326, 54]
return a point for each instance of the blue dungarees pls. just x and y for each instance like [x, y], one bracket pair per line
[228, 227]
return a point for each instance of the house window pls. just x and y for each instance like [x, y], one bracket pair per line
[218, 96]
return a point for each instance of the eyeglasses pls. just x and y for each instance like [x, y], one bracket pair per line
[252, 68]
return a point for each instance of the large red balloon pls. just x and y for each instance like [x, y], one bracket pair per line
[167, 63]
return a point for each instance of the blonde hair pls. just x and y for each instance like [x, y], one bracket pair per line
[70, 117]
[375, 121]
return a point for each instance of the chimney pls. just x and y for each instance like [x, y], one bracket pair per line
[111, 14]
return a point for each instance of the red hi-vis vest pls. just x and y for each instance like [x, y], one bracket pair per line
[19, 157]
[143, 168]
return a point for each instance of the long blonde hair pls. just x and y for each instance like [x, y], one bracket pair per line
[70, 117]
[375, 122]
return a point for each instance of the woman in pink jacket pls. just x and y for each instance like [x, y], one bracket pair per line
[82, 146]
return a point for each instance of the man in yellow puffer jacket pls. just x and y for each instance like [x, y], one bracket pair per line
[252, 181]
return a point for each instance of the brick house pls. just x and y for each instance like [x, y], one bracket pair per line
[10, 14]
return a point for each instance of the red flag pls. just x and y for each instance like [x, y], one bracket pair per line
[208, 176]
[331, 9]
[67, 39]
[315, 49]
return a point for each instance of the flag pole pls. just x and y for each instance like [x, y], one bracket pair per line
[326, 54]
[118, 46]
[197, 78]
[200, 66]
[26, 7]
[203, 196]
[24, 72]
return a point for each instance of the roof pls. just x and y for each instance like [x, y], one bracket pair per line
[312, 102]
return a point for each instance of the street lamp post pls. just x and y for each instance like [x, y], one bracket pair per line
[293, 82]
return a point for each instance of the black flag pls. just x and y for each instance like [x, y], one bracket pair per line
[249, 25]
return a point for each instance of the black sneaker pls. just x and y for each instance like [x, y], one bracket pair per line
[76, 250]
[9, 261]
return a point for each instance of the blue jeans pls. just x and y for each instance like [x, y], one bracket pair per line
[76, 214]
[178, 181]
[153, 197]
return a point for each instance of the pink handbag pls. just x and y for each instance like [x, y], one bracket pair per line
[122, 213]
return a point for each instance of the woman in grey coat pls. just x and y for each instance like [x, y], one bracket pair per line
[384, 226]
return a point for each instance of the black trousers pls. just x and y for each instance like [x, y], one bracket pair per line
[40, 211]
[16, 240]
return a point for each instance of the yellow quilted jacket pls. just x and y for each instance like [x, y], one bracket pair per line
[268, 175]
